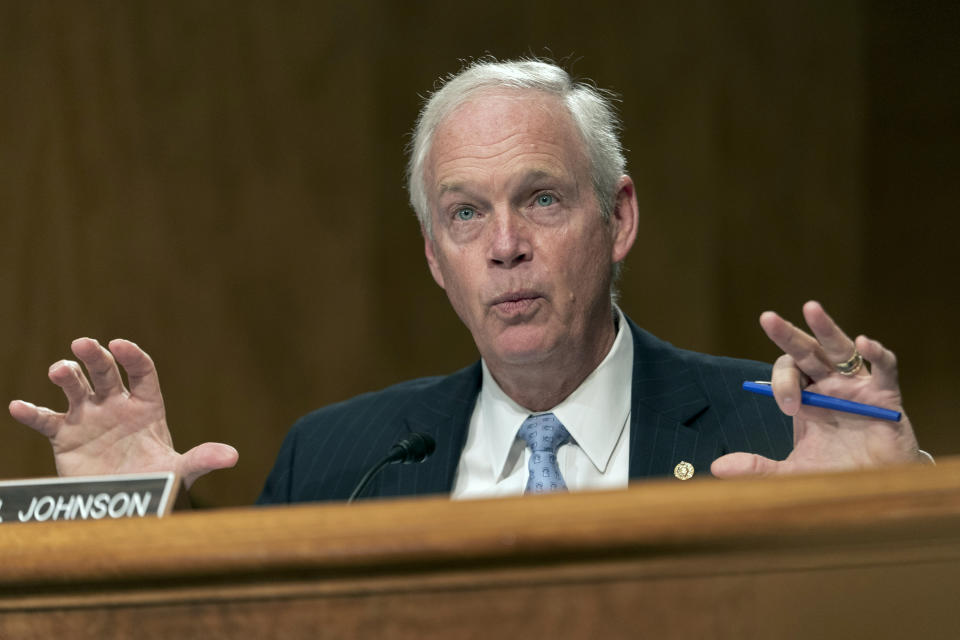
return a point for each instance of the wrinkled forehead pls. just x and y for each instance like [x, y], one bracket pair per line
[490, 121]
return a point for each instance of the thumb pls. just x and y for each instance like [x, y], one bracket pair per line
[205, 458]
[733, 465]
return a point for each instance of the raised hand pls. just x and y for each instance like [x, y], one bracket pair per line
[110, 429]
[825, 440]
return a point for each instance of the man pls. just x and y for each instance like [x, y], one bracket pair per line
[518, 181]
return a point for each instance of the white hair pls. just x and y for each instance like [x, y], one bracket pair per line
[590, 108]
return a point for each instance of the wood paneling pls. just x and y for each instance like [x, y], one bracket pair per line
[223, 183]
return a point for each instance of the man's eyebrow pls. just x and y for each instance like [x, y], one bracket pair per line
[532, 175]
[553, 178]
[452, 187]
[537, 174]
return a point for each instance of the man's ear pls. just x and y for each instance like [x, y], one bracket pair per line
[624, 219]
[429, 251]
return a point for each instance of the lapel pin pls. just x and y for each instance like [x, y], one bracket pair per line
[683, 470]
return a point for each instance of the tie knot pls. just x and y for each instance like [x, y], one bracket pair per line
[544, 433]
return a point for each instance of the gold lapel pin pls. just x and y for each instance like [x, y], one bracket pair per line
[683, 470]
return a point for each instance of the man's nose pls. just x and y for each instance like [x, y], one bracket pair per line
[510, 240]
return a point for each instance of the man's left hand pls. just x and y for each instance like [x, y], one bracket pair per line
[825, 440]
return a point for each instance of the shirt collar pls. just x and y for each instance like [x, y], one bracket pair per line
[594, 414]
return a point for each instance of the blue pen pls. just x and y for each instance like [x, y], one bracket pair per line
[828, 402]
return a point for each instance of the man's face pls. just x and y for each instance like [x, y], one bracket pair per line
[519, 242]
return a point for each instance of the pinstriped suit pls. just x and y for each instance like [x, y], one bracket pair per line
[684, 406]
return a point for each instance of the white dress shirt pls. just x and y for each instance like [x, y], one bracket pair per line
[597, 415]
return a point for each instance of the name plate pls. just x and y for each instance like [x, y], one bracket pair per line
[138, 495]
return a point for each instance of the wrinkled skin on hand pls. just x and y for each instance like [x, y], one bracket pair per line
[827, 440]
[108, 428]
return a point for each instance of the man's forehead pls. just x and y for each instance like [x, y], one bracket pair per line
[500, 125]
[502, 110]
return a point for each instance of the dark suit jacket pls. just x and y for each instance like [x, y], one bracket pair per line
[685, 406]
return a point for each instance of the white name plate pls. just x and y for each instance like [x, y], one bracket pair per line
[88, 498]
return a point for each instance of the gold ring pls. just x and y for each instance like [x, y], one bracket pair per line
[851, 366]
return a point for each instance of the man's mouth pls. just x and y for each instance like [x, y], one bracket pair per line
[515, 303]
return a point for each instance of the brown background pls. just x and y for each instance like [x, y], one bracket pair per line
[223, 183]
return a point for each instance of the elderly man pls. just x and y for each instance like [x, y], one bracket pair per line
[518, 181]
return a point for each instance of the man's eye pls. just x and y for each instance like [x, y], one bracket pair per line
[466, 213]
[545, 199]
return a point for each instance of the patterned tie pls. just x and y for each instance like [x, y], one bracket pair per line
[544, 435]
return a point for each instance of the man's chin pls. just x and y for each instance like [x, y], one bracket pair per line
[522, 346]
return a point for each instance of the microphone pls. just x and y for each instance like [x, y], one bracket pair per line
[413, 447]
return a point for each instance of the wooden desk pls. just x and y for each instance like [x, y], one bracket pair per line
[860, 555]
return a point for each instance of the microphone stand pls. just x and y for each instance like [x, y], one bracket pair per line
[414, 447]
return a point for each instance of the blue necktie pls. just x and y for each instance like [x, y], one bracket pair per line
[544, 435]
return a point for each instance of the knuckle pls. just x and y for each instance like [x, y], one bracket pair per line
[785, 361]
[100, 367]
[59, 364]
[811, 363]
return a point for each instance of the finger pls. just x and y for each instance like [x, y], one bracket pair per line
[801, 346]
[205, 458]
[883, 363]
[37, 418]
[740, 464]
[141, 372]
[101, 367]
[837, 346]
[67, 375]
[787, 381]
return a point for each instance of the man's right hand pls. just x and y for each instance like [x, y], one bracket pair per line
[109, 429]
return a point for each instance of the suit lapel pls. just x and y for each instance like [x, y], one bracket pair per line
[665, 401]
[442, 410]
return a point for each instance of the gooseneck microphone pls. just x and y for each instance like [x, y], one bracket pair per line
[413, 447]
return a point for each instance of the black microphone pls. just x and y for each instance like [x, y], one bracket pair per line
[413, 447]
